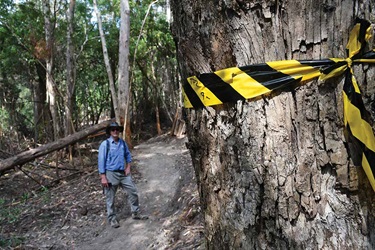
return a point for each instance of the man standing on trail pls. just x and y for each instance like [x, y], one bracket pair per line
[114, 168]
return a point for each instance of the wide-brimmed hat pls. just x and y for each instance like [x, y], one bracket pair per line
[113, 125]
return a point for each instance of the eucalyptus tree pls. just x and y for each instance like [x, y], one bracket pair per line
[51, 50]
[123, 65]
[91, 96]
[107, 62]
[22, 65]
[24, 26]
[149, 47]
[52, 88]
[154, 73]
[120, 93]
[70, 73]
[274, 172]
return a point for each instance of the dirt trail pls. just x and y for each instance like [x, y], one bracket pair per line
[71, 214]
[166, 170]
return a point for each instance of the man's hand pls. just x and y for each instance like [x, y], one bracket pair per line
[127, 169]
[104, 180]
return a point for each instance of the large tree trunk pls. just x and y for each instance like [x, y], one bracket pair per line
[274, 173]
[123, 64]
[123, 70]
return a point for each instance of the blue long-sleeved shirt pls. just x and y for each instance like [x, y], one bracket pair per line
[118, 153]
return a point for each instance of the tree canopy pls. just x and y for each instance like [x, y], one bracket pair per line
[25, 53]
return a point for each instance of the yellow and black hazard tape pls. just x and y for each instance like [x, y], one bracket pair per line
[243, 83]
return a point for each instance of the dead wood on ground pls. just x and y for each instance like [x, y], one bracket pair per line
[31, 154]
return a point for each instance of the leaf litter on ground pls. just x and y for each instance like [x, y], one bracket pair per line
[46, 207]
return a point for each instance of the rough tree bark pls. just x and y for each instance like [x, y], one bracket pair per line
[274, 173]
[123, 72]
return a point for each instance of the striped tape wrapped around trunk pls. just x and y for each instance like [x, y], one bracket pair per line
[247, 82]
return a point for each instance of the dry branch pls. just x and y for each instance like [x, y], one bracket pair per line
[31, 154]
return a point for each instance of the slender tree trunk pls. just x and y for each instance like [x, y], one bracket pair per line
[157, 116]
[70, 75]
[106, 60]
[39, 96]
[51, 88]
[274, 173]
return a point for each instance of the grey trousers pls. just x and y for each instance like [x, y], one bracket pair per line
[117, 179]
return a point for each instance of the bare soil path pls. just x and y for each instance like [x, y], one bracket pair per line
[163, 163]
[73, 215]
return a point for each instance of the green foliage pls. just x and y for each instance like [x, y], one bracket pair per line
[11, 242]
[7, 213]
[25, 197]
[46, 195]
[4, 117]
[10, 215]
[154, 60]
[23, 55]
[20, 30]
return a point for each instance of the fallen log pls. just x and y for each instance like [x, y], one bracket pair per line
[31, 154]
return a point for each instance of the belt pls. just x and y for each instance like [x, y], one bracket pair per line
[117, 171]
